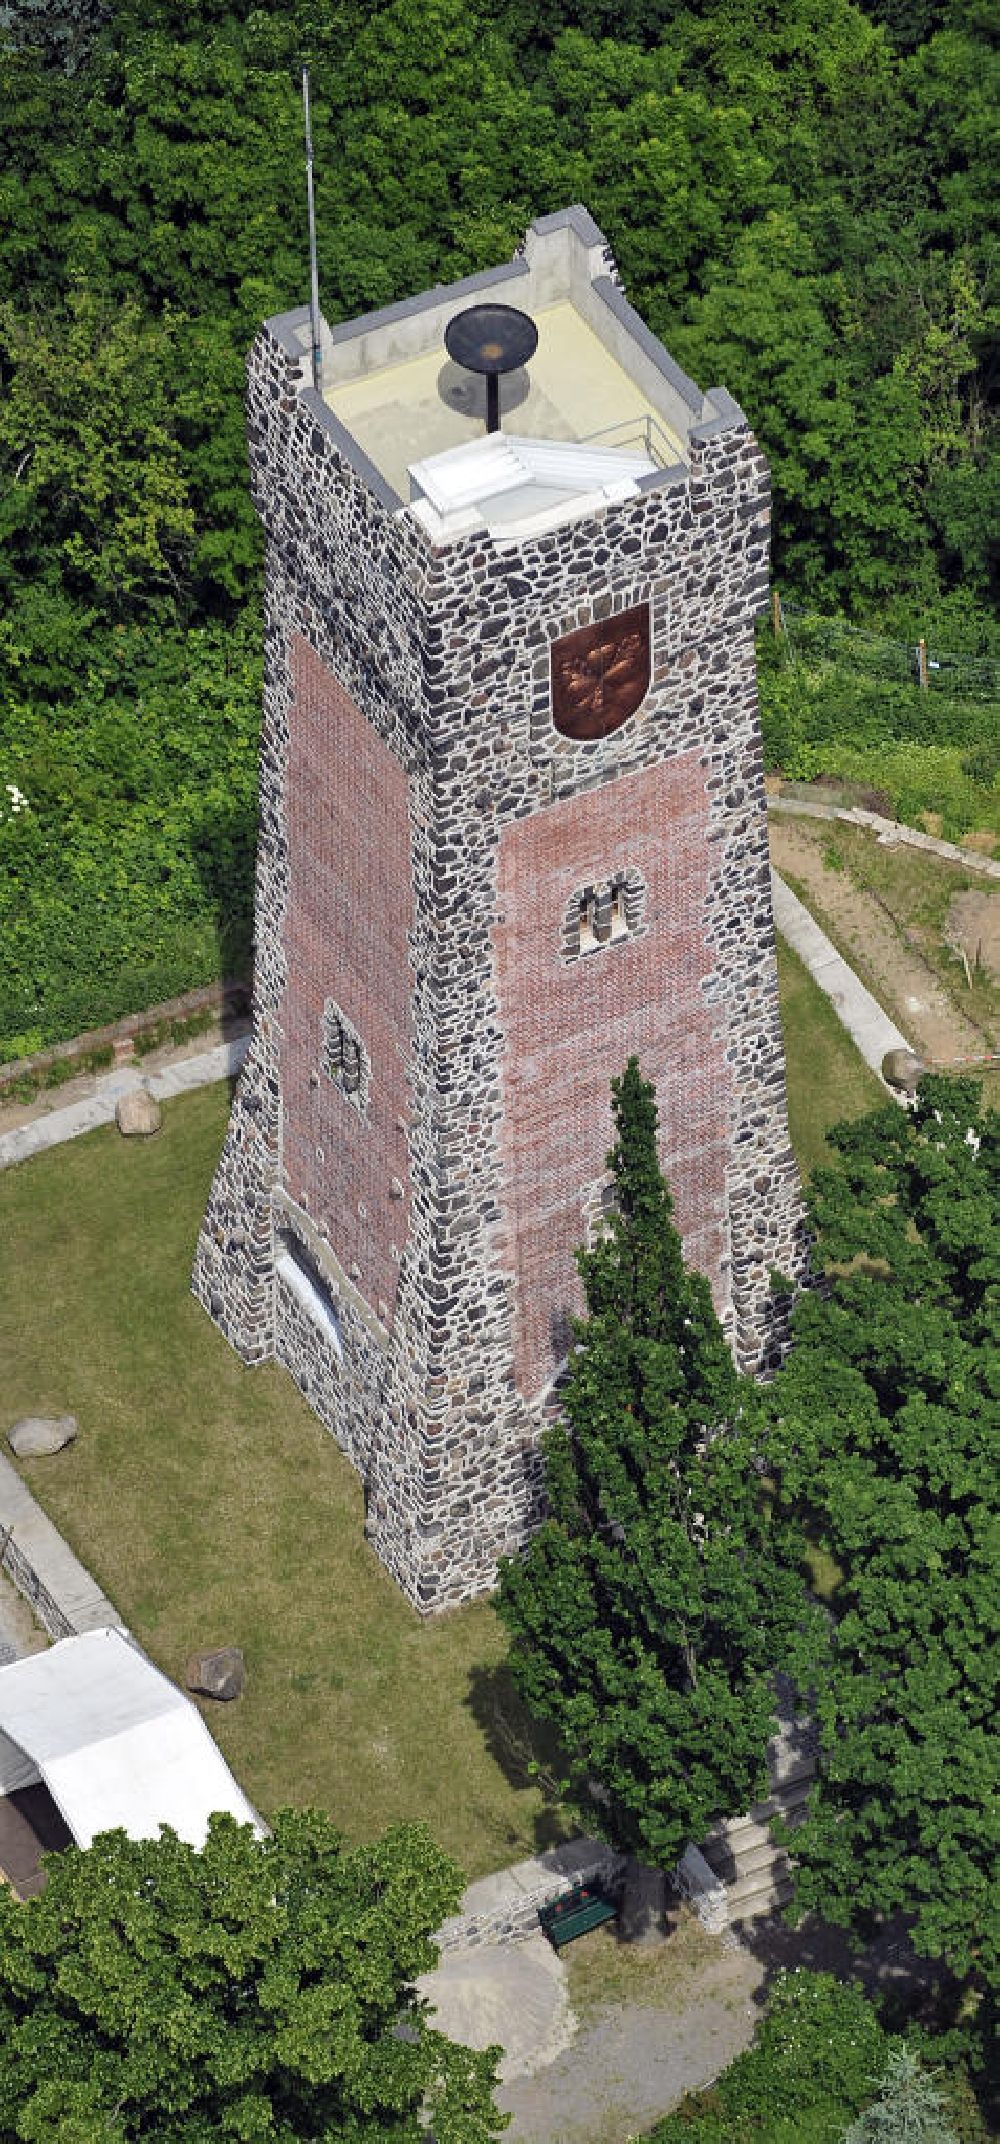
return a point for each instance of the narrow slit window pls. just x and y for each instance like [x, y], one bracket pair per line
[345, 1060]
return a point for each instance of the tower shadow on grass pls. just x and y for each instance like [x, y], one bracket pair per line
[526, 1753]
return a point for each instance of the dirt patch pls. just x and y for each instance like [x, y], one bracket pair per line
[655, 2025]
[883, 949]
[632, 2060]
[19, 1632]
[974, 927]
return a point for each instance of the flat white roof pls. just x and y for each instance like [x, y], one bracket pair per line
[116, 1743]
[421, 405]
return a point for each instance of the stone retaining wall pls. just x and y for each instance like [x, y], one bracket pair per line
[504, 1908]
[44, 1569]
[228, 999]
[889, 831]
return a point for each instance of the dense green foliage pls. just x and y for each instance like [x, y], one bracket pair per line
[814, 2058]
[839, 702]
[886, 1432]
[254, 1991]
[801, 204]
[651, 1609]
[129, 855]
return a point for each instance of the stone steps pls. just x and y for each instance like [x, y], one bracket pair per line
[742, 1852]
[753, 1898]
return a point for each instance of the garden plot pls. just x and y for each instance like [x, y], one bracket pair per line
[910, 925]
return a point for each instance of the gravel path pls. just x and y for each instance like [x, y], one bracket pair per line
[626, 2067]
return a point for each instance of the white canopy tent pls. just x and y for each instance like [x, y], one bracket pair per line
[117, 1745]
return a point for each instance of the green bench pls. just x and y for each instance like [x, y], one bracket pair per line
[581, 1909]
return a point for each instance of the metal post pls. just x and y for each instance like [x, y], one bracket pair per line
[492, 402]
[922, 664]
[317, 347]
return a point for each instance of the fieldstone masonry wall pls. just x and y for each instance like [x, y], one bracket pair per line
[442, 1224]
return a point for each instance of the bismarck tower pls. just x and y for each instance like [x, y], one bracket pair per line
[512, 829]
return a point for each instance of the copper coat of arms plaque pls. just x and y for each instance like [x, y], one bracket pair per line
[600, 674]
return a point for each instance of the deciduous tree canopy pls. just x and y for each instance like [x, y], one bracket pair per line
[887, 1432]
[257, 1990]
[801, 199]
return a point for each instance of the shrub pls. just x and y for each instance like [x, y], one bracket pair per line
[807, 2074]
[126, 873]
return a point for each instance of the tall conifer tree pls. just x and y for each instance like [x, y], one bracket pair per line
[653, 1607]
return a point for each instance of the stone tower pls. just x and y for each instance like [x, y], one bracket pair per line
[512, 829]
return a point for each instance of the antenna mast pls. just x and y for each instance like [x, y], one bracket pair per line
[317, 351]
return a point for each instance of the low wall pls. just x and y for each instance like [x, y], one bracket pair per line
[888, 831]
[504, 1908]
[55, 1584]
[229, 999]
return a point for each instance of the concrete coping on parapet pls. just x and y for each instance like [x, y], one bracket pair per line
[650, 344]
[722, 414]
[41, 1564]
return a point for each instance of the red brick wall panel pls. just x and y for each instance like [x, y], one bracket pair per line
[350, 903]
[571, 1024]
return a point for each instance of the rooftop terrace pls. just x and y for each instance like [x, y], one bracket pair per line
[599, 381]
[573, 387]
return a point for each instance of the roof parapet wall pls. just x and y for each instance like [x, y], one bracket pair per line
[564, 260]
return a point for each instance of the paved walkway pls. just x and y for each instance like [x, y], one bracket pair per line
[57, 1125]
[870, 1029]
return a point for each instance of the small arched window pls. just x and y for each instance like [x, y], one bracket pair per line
[603, 913]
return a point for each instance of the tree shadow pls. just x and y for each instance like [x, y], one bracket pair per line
[904, 1986]
[526, 1752]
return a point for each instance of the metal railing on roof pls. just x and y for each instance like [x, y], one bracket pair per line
[636, 431]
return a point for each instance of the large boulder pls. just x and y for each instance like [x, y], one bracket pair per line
[902, 1069]
[217, 1674]
[33, 1436]
[137, 1113]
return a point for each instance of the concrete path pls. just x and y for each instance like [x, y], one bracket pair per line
[57, 1125]
[870, 1029]
[631, 2063]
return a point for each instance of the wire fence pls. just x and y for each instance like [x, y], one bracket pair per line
[921, 663]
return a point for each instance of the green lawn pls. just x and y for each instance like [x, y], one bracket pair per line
[212, 1507]
[827, 1079]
